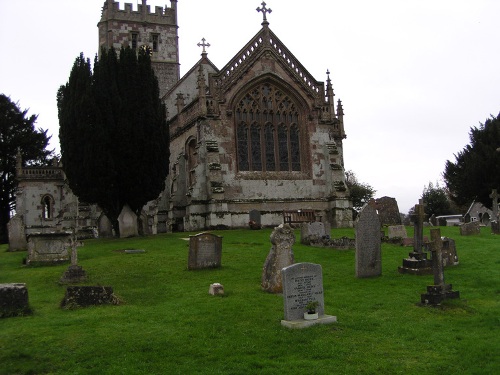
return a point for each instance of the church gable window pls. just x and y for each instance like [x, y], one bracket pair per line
[267, 131]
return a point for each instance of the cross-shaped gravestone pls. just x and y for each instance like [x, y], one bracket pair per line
[494, 197]
[437, 257]
[203, 44]
[74, 243]
[264, 10]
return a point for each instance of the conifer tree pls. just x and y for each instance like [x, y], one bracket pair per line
[124, 150]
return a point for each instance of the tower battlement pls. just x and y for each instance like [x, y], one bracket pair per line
[111, 10]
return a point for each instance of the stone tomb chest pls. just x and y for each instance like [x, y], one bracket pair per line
[205, 251]
[48, 248]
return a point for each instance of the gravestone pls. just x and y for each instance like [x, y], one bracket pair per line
[279, 257]
[368, 243]
[469, 229]
[495, 220]
[48, 248]
[104, 227]
[312, 232]
[417, 262]
[449, 252]
[205, 251]
[216, 289]
[397, 231]
[440, 291]
[74, 273]
[254, 219]
[14, 300]
[17, 234]
[127, 220]
[387, 209]
[303, 283]
[83, 296]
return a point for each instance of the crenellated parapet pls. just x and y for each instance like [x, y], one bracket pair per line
[111, 10]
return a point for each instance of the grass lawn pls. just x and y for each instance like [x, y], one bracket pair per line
[169, 324]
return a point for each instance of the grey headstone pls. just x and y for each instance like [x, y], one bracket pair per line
[397, 231]
[368, 244]
[302, 283]
[279, 257]
[205, 251]
[255, 216]
[48, 248]
[105, 229]
[311, 231]
[13, 300]
[449, 252]
[17, 234]
[127, 220]
[471, 228]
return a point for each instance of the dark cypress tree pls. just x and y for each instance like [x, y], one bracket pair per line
[17, 132]
[124, 136]
[476, 170]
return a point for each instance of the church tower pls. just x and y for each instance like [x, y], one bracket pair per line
[156, 31]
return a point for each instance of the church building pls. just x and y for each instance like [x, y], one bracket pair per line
[249, 141]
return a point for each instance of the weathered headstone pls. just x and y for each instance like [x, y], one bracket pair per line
[104, 227]
[417, 262]
[397, 231]
[303, 283]
[439, 291]
[387, 209]
[216, 289]
[127, 221]
[449, 252]
[74, 273]
[48, 248]
[14, 300]
[17, 234]
[83, 296]
[205, 251]
[368, 243]
[254, 219]
[495, 220]
[468, 229]
[312, 232]
[279, 257]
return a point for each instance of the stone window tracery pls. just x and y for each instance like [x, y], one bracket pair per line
[267, 131]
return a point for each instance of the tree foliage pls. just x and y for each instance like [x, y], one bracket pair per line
[17, 132]
[359, 193]
[476, 170]
[113, 132]
[436, 200]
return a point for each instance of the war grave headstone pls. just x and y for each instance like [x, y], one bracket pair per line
[312, 232]
[14, 300]
[280, 256]
[83, 296]
[254, 219]
[495, 220]
[417, 262]
[368, 243]
[48, 248]
[449, 252]
[469, 229]
[127, 220]
[303, 283]
[17, 234]
[205, 251]
[440, 291]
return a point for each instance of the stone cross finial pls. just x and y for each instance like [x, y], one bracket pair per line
[264, 10]
[203, 44]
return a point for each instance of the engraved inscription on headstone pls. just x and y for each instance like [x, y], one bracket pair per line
[302, 283]
[205, 251]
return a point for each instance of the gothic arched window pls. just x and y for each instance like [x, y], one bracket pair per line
[267, 131]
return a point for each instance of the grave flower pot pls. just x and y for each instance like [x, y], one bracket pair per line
[310, 316]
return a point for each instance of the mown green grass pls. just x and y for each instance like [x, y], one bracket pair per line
[169, 324]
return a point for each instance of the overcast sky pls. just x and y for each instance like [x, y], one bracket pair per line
[413, 75]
